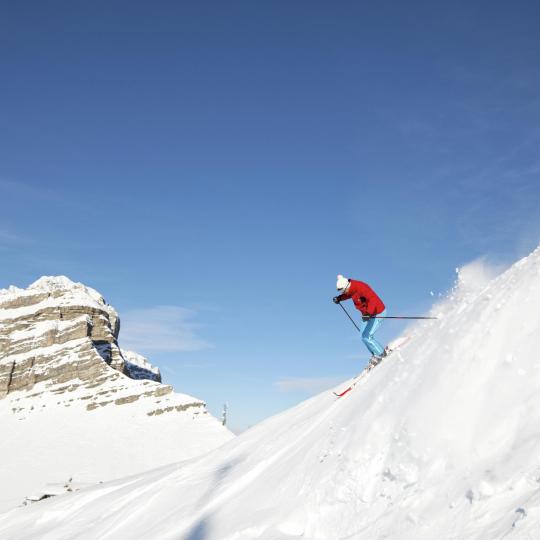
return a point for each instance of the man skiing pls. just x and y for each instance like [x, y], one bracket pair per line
[370, 305]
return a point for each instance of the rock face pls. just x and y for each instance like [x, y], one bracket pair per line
[60, 359]
[56, 331]
[65, 335]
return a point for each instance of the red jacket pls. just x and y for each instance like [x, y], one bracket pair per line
[364, 298]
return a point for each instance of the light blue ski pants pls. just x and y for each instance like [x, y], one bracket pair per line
[369, 328]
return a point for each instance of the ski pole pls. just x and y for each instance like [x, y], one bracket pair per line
[349, 317]
[416, 318]
[377, 317]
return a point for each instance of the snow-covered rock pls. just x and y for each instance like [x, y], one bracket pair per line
[441, 440]
[138, 366]
[73, 406]
[56, 331]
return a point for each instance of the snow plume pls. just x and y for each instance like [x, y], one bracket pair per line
[477, 274]
[441, 440]
[471, 279]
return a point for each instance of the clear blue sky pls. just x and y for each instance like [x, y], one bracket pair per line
[210, 167]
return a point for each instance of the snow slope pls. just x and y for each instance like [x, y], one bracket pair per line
[72, 407]
[442, 440]
[61, 439]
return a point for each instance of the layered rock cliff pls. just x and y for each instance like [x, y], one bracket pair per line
[59, 337]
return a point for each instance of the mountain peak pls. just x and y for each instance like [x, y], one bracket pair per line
[51, 283]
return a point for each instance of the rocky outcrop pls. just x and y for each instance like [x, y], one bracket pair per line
[60, 337]
[138, 367]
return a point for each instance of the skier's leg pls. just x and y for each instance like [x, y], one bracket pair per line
[367, 335]
[368, 342]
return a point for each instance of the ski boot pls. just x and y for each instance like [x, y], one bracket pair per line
[375, 360]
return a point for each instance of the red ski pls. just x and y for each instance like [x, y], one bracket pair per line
[390, 348]
[356, 379]
[344, 392]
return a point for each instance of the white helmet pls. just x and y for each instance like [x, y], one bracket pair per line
[342, 283]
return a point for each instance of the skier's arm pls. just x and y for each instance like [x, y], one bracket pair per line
[343, 296]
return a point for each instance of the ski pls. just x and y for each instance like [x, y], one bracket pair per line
[343, 393]
[389, 349]
[365, 371]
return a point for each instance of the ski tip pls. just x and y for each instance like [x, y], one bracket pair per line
[343, 393]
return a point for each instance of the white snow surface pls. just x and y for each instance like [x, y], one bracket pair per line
[440, 441]
[50, 438]
[49, 284]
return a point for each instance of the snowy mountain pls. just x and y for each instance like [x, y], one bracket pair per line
[441, 440]
[74, 405]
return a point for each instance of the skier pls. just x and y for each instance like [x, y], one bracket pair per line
[369, 304]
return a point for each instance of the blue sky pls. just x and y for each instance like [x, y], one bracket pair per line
[210, 168]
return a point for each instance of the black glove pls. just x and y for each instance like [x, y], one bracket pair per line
[336, 300]
[366, 318]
